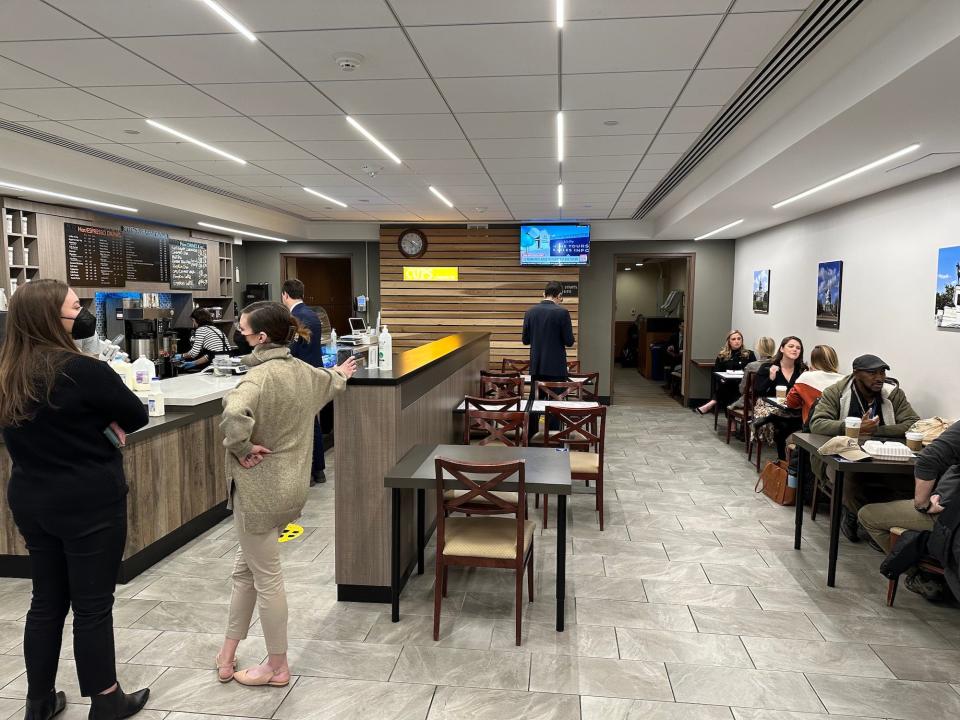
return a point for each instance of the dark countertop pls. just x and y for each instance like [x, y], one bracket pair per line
[408, 364]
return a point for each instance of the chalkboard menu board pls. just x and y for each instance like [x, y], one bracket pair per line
[95, 256]
[147, 254]
[188, 265]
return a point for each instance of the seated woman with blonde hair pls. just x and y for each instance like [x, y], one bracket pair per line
[823, 372]
[732, 356]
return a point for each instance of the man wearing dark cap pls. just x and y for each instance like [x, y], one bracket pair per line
[884, 412]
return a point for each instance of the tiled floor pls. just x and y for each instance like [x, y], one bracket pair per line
[692, 605]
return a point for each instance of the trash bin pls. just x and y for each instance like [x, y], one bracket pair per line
[656, 359]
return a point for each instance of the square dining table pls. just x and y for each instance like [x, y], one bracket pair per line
[547, 471]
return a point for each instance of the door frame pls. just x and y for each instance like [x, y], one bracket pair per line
[691, 258]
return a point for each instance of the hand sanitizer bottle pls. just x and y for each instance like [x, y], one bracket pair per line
[385, 350]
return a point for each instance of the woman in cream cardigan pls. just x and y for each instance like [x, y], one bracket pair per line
[268, 433]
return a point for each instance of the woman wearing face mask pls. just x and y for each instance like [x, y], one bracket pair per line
[268, 433]
[208, 340]
[69, 505]
[732, 356]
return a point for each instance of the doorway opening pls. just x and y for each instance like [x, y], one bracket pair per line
[327, 283]
[652, 301]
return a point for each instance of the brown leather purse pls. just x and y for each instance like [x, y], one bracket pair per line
[773, 483]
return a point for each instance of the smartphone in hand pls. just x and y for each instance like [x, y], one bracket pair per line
[113, 437]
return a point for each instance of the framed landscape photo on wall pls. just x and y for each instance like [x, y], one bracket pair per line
[761, 291]
[947, 307]
[829, 287]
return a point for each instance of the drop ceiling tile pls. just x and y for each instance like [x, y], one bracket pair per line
[659, 161]
[689, 119]
[384, 96]
[601, 188]
[478, 50]
[397, 216]
[409, 127]
[648, 177]
[521, 178]
[386, 53]
[489, 214]
[131, 129]
[466, 12]
[607, 163]
[517, 147]
[63, 131]
[296, 167]
[637, 121]
[432, 149]
[509, 125]
[62, 104]
[713, 87]
[285, 98]
[647, 8]
[597, 177]
[641, 187]
[428, 167]
[86, 62]
[171, 101]
[14, 75]
[34, 20]
[265, 180]
[166, 165]
[524, 193]
[590, 146]
[271, 150]
[455, 179]
[202, 59]
[622, 90]
[301, 128]
[765, 5]
[174, 151]
[342, 150]
[132, 153]
[673, 143]
[664, 43]
[501, 94]
[745, 40]
[224, 168]
[133, 17]
[333, 178]
[500, 166]
[218, 129]
[262, 16]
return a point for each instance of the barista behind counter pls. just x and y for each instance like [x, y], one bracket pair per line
[208, 340]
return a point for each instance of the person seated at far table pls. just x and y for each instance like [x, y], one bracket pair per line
[783, 370]
[763, 350]
[732, 356]
[884, 412]
[937, 466]
[824, 371]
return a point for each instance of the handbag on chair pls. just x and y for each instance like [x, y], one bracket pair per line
[773, 483]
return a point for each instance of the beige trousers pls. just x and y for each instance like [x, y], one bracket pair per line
[878, 518]
[258, 580]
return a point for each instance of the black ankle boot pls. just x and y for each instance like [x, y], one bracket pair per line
[117, 705]
[45, 708]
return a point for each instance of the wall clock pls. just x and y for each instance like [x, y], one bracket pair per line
[412, 243]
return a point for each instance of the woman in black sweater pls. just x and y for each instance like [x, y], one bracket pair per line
[732, 356]
[784, 369]
[67, 492]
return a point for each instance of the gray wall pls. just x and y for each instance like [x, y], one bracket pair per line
[710, 302]
[262, 264]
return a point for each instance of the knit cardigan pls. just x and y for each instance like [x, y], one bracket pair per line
[274, 406]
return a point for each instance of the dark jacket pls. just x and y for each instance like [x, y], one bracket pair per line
[834, 405]
[548, 330]
[737, 361]
[62, 462]
[310, 352]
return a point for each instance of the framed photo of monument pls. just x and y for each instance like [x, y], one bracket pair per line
[947, 307]
[829, 287]
[761, 291]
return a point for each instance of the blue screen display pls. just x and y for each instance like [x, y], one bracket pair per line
[554, 244]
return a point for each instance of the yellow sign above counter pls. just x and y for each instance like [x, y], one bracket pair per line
[431, 274]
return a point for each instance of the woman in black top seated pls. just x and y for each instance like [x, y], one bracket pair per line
[784, 369]
[733, 356]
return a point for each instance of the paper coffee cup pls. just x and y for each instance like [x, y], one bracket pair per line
[781, 391]
[852, 427]
[915, 440]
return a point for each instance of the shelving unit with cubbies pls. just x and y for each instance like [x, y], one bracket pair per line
[21, 252]
[226, 269]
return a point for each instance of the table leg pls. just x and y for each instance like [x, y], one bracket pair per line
[395, 558]
[561, 557]
[421, 528]
[801, 474]
[836, 510]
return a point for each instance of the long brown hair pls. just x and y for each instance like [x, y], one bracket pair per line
[35, 348]
[275, 320]
[778, 358]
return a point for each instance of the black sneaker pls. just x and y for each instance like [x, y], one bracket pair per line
[929, 587]
[320, 477]
[849, 525]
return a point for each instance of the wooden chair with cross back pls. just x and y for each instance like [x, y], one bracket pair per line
[490, 404]
[500, 385]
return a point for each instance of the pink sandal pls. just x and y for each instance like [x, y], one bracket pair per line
[231, 667]
[243, 677]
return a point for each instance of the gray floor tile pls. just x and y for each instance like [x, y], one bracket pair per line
[611, 588]
[578, 640]
[463, 668]
[596, 676]
[757, 714]
[759, 623]
[11, 667]
[714, 555]
[682, 647]
[196, 650]
[605, 708]
[334, 699]
[878, 631]
[901, 699]
[635, 550]
[10, 708]
[746, 688]
[185, 616]
[11, 634]
[345, 625]
[187, 690]
[462, 632]
[620, 613]
[14, 605]
[661, 591]
[621, 566]
[815, 656]
[925, 664]
[129, 676]
[826, 601]
[188, 589]
[354, 661]
[754, 576]
[471, 704]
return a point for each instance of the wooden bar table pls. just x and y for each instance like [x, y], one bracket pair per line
[547, 471]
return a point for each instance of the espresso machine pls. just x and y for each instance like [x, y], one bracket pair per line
[147, 332]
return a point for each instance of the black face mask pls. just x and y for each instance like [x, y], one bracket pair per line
[239, 340]
[84, 325]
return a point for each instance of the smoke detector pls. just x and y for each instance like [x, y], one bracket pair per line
[371, 170]
[479, 209]
[348, 62]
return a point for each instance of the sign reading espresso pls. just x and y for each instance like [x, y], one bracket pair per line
[431, 274]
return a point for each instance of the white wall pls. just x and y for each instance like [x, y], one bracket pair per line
[888, 243]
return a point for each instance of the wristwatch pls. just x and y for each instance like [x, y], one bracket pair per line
[925, 509]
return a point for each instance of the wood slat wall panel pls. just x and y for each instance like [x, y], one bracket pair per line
[493, 293]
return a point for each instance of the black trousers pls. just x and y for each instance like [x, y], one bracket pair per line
[74, 560]
[319, 463]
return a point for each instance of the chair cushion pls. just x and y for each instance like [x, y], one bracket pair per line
[479, 441]
[537, 439]
[485, 537]
[583, 463]
[510, 497]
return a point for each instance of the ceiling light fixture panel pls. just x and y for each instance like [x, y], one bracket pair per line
[326, 197]
[236, 231]
[560, 140]
[560, 195]
[230, 19]
[369, 136]
[198, 143]
[560, 13]
[720, 229]
[62, 196]
[439, 195]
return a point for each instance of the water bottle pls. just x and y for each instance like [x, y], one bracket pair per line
[385, 350]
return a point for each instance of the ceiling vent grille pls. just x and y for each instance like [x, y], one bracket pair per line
[110, 157]
[817, 26]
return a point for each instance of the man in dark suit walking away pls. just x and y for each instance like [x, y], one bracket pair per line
[291, 295]
[548, 330]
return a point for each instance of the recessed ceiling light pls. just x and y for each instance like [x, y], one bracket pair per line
[611, 123]
[560, 195]
[437, 193]
[73, 198]
[626, 269]
[847, 176]
[720, 229]
[244, 233]
[234, 23]
[366, 133]
[479, 209]
[199, 143]
[560, 13]
[639, 264]
[560, 136]
[325, 197]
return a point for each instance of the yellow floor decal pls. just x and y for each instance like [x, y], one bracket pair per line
[290, 532]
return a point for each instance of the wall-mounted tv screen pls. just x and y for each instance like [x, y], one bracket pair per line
[554, 244]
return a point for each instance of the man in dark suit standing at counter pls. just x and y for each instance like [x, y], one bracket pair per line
[291, 295]
[548, 330]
